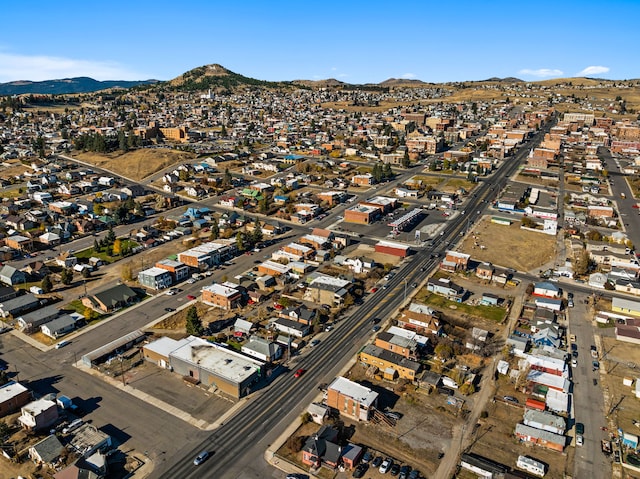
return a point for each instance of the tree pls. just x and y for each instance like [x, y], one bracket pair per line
[96, 246]
[90, 314]
[194, 323]
[387, 172]
[117, 247]
[111, 236]
[240, 241]
[46, 284]
[467, 389]
[66, 276]
[215, 230]
[406, 161]
[348, 300]
[444, 351]
[86, 273]
[593, 235]
[528, 222]
[126, 273]
[582, 263]
[226, 179]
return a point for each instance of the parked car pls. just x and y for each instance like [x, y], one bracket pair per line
[376, 328]
[200, 458]
[579, 440]
[360, 470]
[393, 415]
[72, 426]
[377, 461]
[395, 469]
[386, 465]
[62, 344]
[579, 428]
[169, 310]
[511, 399]
[367, 457]
[191, 297]
[315, 342]
[404, 472]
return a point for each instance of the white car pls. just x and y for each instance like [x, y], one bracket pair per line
[579, 440]
[385, 466]
[171, 292]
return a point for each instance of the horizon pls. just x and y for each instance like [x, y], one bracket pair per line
[283, 41]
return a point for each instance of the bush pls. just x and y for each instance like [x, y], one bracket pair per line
[306, 417]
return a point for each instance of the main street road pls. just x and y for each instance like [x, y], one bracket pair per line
[237, 443]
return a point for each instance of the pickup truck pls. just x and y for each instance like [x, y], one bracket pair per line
[594, 352]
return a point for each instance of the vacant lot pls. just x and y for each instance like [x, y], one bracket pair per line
[509, 246]
[137, 164]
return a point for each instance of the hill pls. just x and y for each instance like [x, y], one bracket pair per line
[218, 77]
[65, 86]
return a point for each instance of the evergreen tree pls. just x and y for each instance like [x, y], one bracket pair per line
[66, 276]
[387, 174]
[215, 230]
[194, 323]
[46, 284]
[240, 241]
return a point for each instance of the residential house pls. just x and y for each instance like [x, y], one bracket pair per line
[111, 299]
[327, 290]
[351, 399]
[12, 276]
[628, 330]
[546, 289]
[397, 344]
[322, 448]
[485, 271]
[454, 261]
[539, 437]
[13, 396]
[545, 420]
[57, 328]
[445, 287]
[420, 318]
[625, 306]
[46, 451]
[38, 415]
[18, 305]
[291, 328]
[392, 365]
[262, 349]
[32, 321]
[302, 314]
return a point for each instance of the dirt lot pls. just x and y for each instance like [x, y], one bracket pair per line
[424, 430]
[137, 164]
[494, 438]
[369, 252]
[527, 250]
[621, 360]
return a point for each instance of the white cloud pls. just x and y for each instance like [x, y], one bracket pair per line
[343, 75]
[40, 67]
[593, 70]
[542, 72]
[408, 76]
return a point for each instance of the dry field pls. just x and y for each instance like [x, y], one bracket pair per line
[137, 164]
[509, 246]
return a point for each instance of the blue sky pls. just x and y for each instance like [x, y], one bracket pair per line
[353, 41]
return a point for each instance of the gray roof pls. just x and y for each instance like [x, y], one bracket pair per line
[49, 449]
[26, 300]
[524, 430]
[63, 322]
[114, 295]
[391, 357]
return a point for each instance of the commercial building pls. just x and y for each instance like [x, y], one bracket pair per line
[351, 399]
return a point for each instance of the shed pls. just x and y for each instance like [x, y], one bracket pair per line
[318, 412]
[123, 343]
[46, 451]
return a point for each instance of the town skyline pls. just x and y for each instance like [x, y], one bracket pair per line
[278, 42]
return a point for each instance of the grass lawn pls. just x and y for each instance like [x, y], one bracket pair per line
[492, 313]
[89, 252]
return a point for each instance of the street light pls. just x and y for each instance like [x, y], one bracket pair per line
[405, 289]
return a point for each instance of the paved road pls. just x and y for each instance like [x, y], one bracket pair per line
[588, 407]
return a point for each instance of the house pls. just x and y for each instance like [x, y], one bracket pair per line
[7, 292]
[628, 330]
[12, 276]
[625, 306]
[543, 381]
[111, 299]
[322, 448]
[46, 451]
[485, 271]
[351, 399]
[481, 466]
[242, 326]
[454, 261]
[420, 318]
[546, 289]
[262, 349]
[20, 304]
[302, 314]
[539, 437]
[59, 327]
[292, 328]
[38, 414]
[398, 344]
[327, 290]
[545, 420]
[13, 396]
[554, 304]
[319, 412]
[445, 287]
[32, 321]
[392, 365]
[222, 296]
[477, 339]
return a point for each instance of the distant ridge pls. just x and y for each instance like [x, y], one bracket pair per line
[66, 86]
[504, 80]
[401, 81]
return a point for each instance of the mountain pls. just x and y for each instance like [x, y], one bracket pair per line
[66, 86]
[218, 77]
[401, 82]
